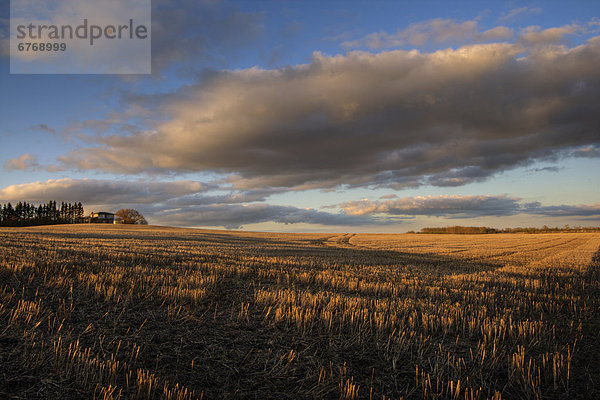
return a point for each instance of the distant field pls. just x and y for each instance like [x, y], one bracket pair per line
[108, 312]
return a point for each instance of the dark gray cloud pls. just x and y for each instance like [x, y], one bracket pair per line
[581, 210]
[437, 206]
[397, 119]
[545, 169]
[44, 128]
[229, 198]
[233, 216]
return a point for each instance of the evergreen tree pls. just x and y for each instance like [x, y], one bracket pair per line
[26, 214]
[79, 213]
[10, 213]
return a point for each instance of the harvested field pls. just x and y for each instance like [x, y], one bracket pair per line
[111, 312]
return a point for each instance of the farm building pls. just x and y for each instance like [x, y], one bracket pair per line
[102, 218]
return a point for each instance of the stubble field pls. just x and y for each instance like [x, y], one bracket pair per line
[108, 312]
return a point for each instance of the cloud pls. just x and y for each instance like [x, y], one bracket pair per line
[438, 206]
[581, 210]
[459, 176]
[534, 35]
[497, 33]
[181, 203]
[233, 216]
[587, 152]
[195, 204]
[395, 118]
[45, 128]
[95, 192]
[23, 162]
[462, 207]
[518, 12]
[234, 197]
[546, 169]
[437, 30]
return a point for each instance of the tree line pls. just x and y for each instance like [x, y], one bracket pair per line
[469, 230]
[27, 214]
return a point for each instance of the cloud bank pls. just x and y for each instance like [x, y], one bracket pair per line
[180, 203]
[581, 210]
[464, 207]
[195, 204]
[96, 191]
[447, 206]
[397, 119]
[234, 216]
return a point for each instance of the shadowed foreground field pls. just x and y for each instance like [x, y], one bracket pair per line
[113, 312]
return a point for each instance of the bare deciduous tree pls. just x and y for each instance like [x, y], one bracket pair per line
[131, 216]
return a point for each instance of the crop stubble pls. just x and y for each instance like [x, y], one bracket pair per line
[149, 312]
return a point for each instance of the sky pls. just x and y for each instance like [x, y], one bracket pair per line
[330, 116]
